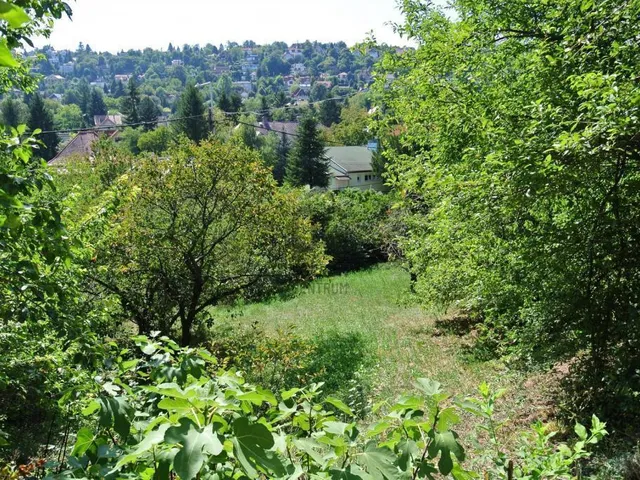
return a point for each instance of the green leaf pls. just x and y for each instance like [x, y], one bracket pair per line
[340, 405]
[195, 444]
[83, 442]
[429, 387]
[250, 446]
[93, 407]
[446, 443]
[311, 448]
[581, 431]
[379, 462]
[13, 15]
[115, 412]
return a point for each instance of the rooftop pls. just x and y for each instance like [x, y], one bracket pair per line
[350, 159]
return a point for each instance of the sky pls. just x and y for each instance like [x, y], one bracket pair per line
[116, 25]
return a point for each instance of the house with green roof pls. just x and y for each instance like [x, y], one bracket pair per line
[351, 167]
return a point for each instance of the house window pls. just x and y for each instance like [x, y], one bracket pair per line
[358, 178]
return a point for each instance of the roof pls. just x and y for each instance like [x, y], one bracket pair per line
[350, 159]
[107, 120]
[289, 128]
[79, 145]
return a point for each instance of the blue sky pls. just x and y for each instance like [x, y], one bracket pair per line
[116, 25]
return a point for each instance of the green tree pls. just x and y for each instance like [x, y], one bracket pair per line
[97, 105]
[191, 113]
[68, 117]
[517, 150]
[353, 128]
[156, 141]
[149, 113]
[14, 112]
[131, 103]
[329, 112]
[204, 226]
[307, 163]
[41, 118]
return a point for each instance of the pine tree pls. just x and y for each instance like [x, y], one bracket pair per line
[279, 169]
[191, 111]
[96, 105]
[329, 112]
[12, 113]
[307, 163]
[41, 118]
[131, 104]
[148, 113]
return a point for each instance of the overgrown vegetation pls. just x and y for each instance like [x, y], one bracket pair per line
[509, 137]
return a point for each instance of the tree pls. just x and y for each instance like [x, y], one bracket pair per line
[192, 114]
[41, 118]
[131, 103]
[156, 141]
[353, 127]
[329, 112]
[97, 105]
[517, 153]
[203, 226]
[13, 112]
[307, 163]
[149, 112]
[68, 117]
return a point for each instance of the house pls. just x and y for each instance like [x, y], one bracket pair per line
[298, 69]
[221, 69]
[351, 167]
[53, 79]
[80, 146]
[177, 63]
[67, 68]
[105, 122]
[287, 128]
[55, 96]
[124, 78]
[325, 83]
[244, 86]
[343, 78]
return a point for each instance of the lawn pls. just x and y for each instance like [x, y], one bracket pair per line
[405, 341]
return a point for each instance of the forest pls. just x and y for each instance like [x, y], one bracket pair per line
[192, 301]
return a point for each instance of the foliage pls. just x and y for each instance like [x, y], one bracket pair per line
[351, 223]
[40, 118]
[14, 112]
[156, 141]
[131, 103]
[170, 412]
[353, 126]
[307, 163]
[203, 226]
[191, 111]
[515, 130]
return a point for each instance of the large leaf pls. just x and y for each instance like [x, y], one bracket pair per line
[6, 59]
[446, 443]
[195, 444]
[84, 440]
[115, 412]
[150, 440]
[379, 462]
[250, 446]
[13, 15]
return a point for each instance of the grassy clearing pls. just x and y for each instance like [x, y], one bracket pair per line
[405, 341]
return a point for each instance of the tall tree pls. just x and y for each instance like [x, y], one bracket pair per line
[97, 105]
[149, 113]
[329, 112]
[282, 154]
[41, 118]
[192, 114]
[307, 163]
[13, 112]
[131, 103]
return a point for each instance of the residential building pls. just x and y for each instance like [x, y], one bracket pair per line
[351, 167]
[325, 83]
[287, 128]
[53, 79]
[67, 68]
[107, 121]
[79, 146]
[298, 69]
[244, 86]
[124, 78]
[343, 78]
[177, 63]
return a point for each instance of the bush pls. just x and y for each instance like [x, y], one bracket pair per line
[172, 411]
[351, 224]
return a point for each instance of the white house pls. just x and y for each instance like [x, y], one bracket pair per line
[298, 69]
[351, 167]
[67, 68]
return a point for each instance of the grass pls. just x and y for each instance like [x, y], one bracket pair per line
[405, 341]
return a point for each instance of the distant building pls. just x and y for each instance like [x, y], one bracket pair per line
[177, 63]
[124, 78]
[351, 167]
[107, 121]
[53, 79]
[288, 129]
[67, 68]
[244, 86]
[298, 69]
[325, 83]
[221, 69]
[343, 78]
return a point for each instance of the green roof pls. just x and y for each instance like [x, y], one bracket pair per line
[350, 159]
